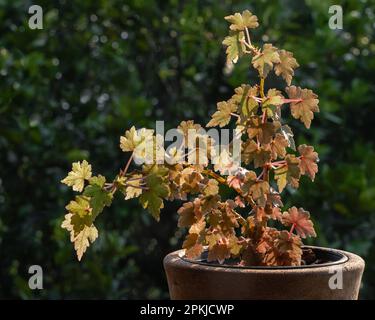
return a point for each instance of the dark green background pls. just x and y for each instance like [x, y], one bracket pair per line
[68, 92]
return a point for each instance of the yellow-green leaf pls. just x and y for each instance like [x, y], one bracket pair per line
[240, 22]
[81, 171]
[235, 46]
[99, 198]
[289, 173]
[133, 138]
[80, 206]
[243, 98]
[223, 114]
[264, 60]
[152, 198]
[82, 232]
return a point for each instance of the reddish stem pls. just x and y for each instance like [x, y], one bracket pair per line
[292, 229]
[262, 173]
[235, 115]
[292, 100]
[277, 163]
[264, 116]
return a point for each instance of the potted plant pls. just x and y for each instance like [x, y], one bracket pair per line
[239, 245]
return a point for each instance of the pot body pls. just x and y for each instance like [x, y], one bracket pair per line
[189, 280]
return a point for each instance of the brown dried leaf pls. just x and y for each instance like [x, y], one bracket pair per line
[309, 159]
[277, 146]
[286, 66]
[219, 252]
[305, 108]
[252, 152]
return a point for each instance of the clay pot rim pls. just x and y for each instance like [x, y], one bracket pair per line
[343, 257]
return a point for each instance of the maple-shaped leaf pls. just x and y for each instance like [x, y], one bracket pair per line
[264, 60]
[209, 203]
[219, 252]
[235, 46]
[306, 105]
[289, 173]
[252, 152]
[309, 159]
[198, 226]
[257, 189]
[277, 146]
[190, 180]
[82, 232]
[81, 171]
[80, 206]
[99, 197]
[215, 217]
[264, 131]
[187, 128]
[223, 114]
[133, 138]
[79, 222]
[265, 243]
[152, 198]
[186, 215]
[286, 66]
[288, 248]
[244, 99]
[240, 22]
[193, 248]
[272, 102]
[129, 141]
[301, 221]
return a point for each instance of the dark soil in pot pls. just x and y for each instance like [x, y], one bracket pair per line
[327, 274]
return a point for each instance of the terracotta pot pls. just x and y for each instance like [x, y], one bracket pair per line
[335, 280]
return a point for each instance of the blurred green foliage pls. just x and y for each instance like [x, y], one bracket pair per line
[68, 91]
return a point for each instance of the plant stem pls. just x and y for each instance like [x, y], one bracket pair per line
[292, 100]
[215, 176]
[264, 116]
[136, 187]
[235, 115]
[277, 163]
[261, 87]
[127, 165]
[261, 174]
[292, 229]
[248, 37]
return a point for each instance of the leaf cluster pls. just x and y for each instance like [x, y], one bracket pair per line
[237, 227]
